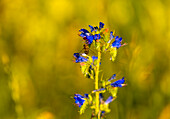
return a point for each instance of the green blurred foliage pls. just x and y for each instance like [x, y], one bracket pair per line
[38, 38]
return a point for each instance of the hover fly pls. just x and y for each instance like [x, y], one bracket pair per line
[86, 49]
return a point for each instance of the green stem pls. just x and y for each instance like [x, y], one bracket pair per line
[96, 84]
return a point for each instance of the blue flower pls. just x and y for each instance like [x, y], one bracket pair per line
[84, 31]
[88, 37]
[102, 113]
[101, 25]
[109, 100]
[94, 58]
[113, 77]
[92, 28]
[86, 95]
[111, 35]
[117, 42]
[97, 36]
[100, 96]
[79, 58]
[79, 99]
[118, 83]
[96, 28]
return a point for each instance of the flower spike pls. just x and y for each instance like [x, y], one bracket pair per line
[103, 41]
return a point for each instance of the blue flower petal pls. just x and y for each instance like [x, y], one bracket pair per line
[76, 55]
[90, 39]
[79, 99]
[113, 77]
[118, 39]
[116, 44]
[96, 28]
[109, 100]
[92, 28]
[83, 35]
[101, 25]
[111, 35]
[97, 36]
[101, 89]
[84, 30]
[86, 95]
[102, 113]
[94, 58]
[79, 58]
[100, 96]
[118, 83]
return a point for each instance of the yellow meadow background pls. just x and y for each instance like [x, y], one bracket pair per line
[38, 77]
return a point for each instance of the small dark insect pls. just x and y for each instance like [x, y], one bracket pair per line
[86, 49]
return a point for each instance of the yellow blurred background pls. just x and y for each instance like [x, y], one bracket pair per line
[38, 38]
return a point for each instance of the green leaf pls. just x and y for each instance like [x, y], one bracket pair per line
[103, 48]
[90, 59]
[103, 83]
[113, 53]
[106, 37]
[83, 107]
[108, 82]
[83, 68]
[113, 91]
[91, 74]
[104, 107]
[87, 71]
[92, 107]
[90, 99]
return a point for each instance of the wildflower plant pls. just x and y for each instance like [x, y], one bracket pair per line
[103, 42]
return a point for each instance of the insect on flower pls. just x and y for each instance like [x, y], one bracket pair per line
[86, 49]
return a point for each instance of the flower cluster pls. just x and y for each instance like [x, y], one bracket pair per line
[87, 64]
[79, 99]
[93, 35]
[79, 58]
[103, 42]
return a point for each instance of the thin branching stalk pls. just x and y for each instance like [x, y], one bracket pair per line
[96, 83]
[90, 65]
